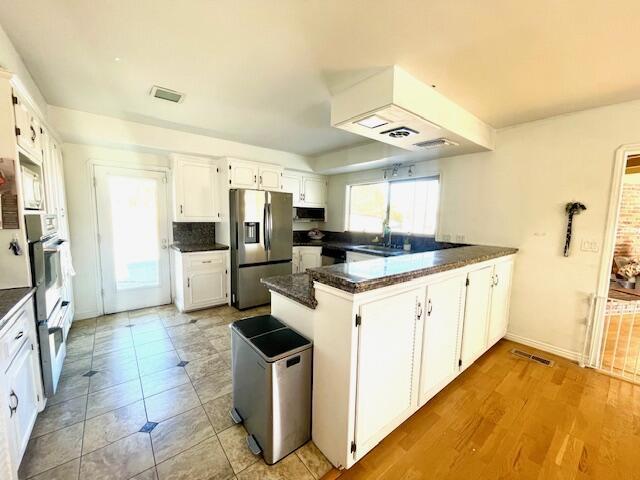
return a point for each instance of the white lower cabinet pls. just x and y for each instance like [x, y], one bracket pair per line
[201, 279]
[306, 257]
[387, 356]
[500, 294]
[394, 348]
[476, 315]
[20, 388]
[442, 330]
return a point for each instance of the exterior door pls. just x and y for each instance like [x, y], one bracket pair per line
[386, 358]
[476, 317]
[442, 327]
[133, 238]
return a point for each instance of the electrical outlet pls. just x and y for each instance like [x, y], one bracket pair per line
[589, 246]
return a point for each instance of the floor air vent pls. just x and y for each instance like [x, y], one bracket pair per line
[532, 357]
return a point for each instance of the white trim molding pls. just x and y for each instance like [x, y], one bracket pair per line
[545, 347]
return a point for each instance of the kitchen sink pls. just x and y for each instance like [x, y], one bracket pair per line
[379, 249]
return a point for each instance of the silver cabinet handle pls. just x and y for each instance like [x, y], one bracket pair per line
[181, 211]
[13, 406]
[206, 261]
[255, 179]
[429, 308]
[419, 312]
[19, 335]
[497, 280]
[188, 282]
[260, 179]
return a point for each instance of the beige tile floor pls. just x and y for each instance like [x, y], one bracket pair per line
[125, 370]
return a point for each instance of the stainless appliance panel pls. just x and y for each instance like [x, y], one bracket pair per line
[52, 340]
[247, 291]
[248, 216]
[280, 231]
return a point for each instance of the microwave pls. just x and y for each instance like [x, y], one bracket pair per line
[31, 189]
[307, 214]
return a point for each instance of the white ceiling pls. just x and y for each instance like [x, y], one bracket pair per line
[262, 71]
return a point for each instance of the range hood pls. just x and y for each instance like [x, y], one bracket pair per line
[395, 108]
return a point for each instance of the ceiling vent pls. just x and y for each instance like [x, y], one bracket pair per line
[166, 94]
[400, 132]
[437, 143]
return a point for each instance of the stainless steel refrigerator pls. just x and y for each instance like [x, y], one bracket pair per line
[261, 243]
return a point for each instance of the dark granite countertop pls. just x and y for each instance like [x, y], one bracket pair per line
[198, 247]
[10, 300]
[357, 247]
[359, 277]
[296, 287]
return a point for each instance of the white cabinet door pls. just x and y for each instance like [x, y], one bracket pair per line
[387, 353]
[196, 191]
[441, 334]
[500, 293]
[243, 175]
[476, 315]
[50, 174]
[310, 257]
[23, 402]
[28, 129]
[314, 192]
[292, 183]
[269, 178]
[206, 288]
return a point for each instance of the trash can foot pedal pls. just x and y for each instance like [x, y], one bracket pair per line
[253, 445]
[235, 416]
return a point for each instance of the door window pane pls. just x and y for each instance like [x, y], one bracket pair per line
[136, 240]
[413, 206]
[367, 207]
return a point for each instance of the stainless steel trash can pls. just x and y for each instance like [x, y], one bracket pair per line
[272, 367]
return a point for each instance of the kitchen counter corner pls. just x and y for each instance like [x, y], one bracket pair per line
[297, 287]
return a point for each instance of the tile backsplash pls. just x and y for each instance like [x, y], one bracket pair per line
[194, 233]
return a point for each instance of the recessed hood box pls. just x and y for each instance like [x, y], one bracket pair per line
[395, 108]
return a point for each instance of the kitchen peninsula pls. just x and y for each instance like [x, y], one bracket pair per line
[390, 333]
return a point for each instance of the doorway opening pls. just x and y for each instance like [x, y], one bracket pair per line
[613, 343]
[132, 238]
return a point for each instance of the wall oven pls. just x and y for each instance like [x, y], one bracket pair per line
[46, 269]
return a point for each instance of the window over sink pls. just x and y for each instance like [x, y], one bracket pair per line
[409, 205]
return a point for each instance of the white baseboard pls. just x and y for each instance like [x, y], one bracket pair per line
[546, 347]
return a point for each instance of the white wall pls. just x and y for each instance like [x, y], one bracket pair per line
[81, 208]
[515, 196]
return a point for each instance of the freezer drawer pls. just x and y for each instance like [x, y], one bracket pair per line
[247, 291]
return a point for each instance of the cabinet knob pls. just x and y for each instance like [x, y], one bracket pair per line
[14, 401]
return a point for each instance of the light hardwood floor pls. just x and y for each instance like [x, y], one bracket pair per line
[507, 417]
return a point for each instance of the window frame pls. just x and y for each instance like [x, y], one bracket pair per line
[387, 182]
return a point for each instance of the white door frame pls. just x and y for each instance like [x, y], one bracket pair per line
[595, 322]
[92, 164]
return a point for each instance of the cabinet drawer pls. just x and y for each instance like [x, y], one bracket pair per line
[205, 260]
[17, 333]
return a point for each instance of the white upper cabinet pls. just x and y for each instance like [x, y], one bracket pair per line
[195, 183]
[254, 175]
[308, 190]
[269, 177]
[476, 317]
[443, 318]
[243, 174]
[500, 293]
[314, 191]
[28, 129]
